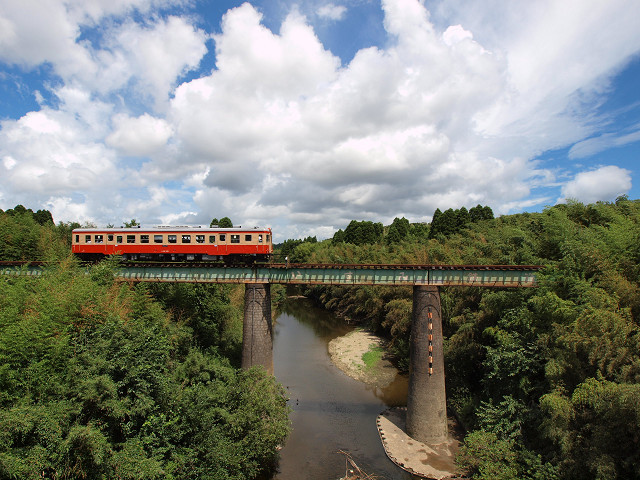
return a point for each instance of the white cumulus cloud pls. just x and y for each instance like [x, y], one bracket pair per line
[604, 183]
[139, 136]
[331, 11]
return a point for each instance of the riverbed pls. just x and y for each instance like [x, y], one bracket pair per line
[331, 411]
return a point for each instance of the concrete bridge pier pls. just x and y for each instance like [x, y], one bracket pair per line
[426, 400]
[257, 330]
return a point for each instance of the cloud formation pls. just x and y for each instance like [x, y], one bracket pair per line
[453, 109]
[332, 12]
[591, 186]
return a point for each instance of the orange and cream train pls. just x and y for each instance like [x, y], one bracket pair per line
[174, 243]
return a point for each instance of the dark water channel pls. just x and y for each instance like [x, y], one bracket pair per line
[331, 411]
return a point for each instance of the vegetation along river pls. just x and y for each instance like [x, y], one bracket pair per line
[331, 411]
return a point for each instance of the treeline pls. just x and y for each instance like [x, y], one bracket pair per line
[103, 380]
[452, 221]
[29, 235]
[42, 217]
[547, 380]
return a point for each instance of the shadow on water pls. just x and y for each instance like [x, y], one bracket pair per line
[323, 323]
[330, 411]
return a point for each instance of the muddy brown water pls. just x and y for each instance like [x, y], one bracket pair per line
[330, 411]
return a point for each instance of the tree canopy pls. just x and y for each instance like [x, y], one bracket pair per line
[360, 233]
[546, 380]
[224, 222]
[103, 380]
[454, 221]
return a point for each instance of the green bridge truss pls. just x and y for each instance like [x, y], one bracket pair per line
[408, 275]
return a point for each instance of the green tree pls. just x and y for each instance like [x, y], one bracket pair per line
[454, 221]
[338, 237]
[363, 233]
[96, 382]
[486, 456]
[533, 367]
[479, 213]
[445, 223]
[595, 429]
[398, 230]
[462, 218]
[20, 236]
[43, 217]
[225, 222]
[18, 210]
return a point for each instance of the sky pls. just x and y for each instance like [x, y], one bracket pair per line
[304, 115]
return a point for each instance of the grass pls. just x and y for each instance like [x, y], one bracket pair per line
[372, 357]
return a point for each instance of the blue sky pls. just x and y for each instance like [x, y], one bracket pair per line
[304, 115]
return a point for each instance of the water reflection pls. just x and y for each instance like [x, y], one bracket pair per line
[331, 411]
[323, 323]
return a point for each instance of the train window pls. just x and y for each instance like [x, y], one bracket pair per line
[199, 238]
[99, 239]
[173, 239]
[110, 237]
[235, 238]
[223, 237]
[119, 239]
[259, 238]
[212, 239]
[131, 239]
[77, 238]
[144, 238]
[267, 238]
[87, 238]
[247, 238]
[157, 239]
[186, 238]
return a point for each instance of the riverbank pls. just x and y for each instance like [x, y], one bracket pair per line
[330, 411]
[351, 353]
[359, 354]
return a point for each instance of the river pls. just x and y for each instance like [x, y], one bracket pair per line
[331, 411]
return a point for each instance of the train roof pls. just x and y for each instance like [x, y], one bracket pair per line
[165, 229]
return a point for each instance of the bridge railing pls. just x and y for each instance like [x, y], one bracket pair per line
[317, 274]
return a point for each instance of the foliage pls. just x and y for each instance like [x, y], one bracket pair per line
[453, 221]
[546, 379]
[25, 235]
[224, 222]
[551, 373]
[215, 321]
[360, 233]
[97, 382]
[398, 230]
[596, 429]
[488, 457]
[296, 250]
[19, 235]
[41, 217]
[132, 223]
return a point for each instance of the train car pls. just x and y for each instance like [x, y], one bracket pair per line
[174, 243]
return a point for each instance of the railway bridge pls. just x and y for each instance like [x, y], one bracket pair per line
[426, 418]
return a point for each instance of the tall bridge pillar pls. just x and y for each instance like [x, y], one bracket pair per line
[426, 400]
[257, 330]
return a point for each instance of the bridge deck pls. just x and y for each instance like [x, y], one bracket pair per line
[319, 274]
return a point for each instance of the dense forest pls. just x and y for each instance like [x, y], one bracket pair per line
[545, 380]
[107, 380]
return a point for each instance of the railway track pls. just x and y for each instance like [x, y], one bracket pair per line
[337, 266]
